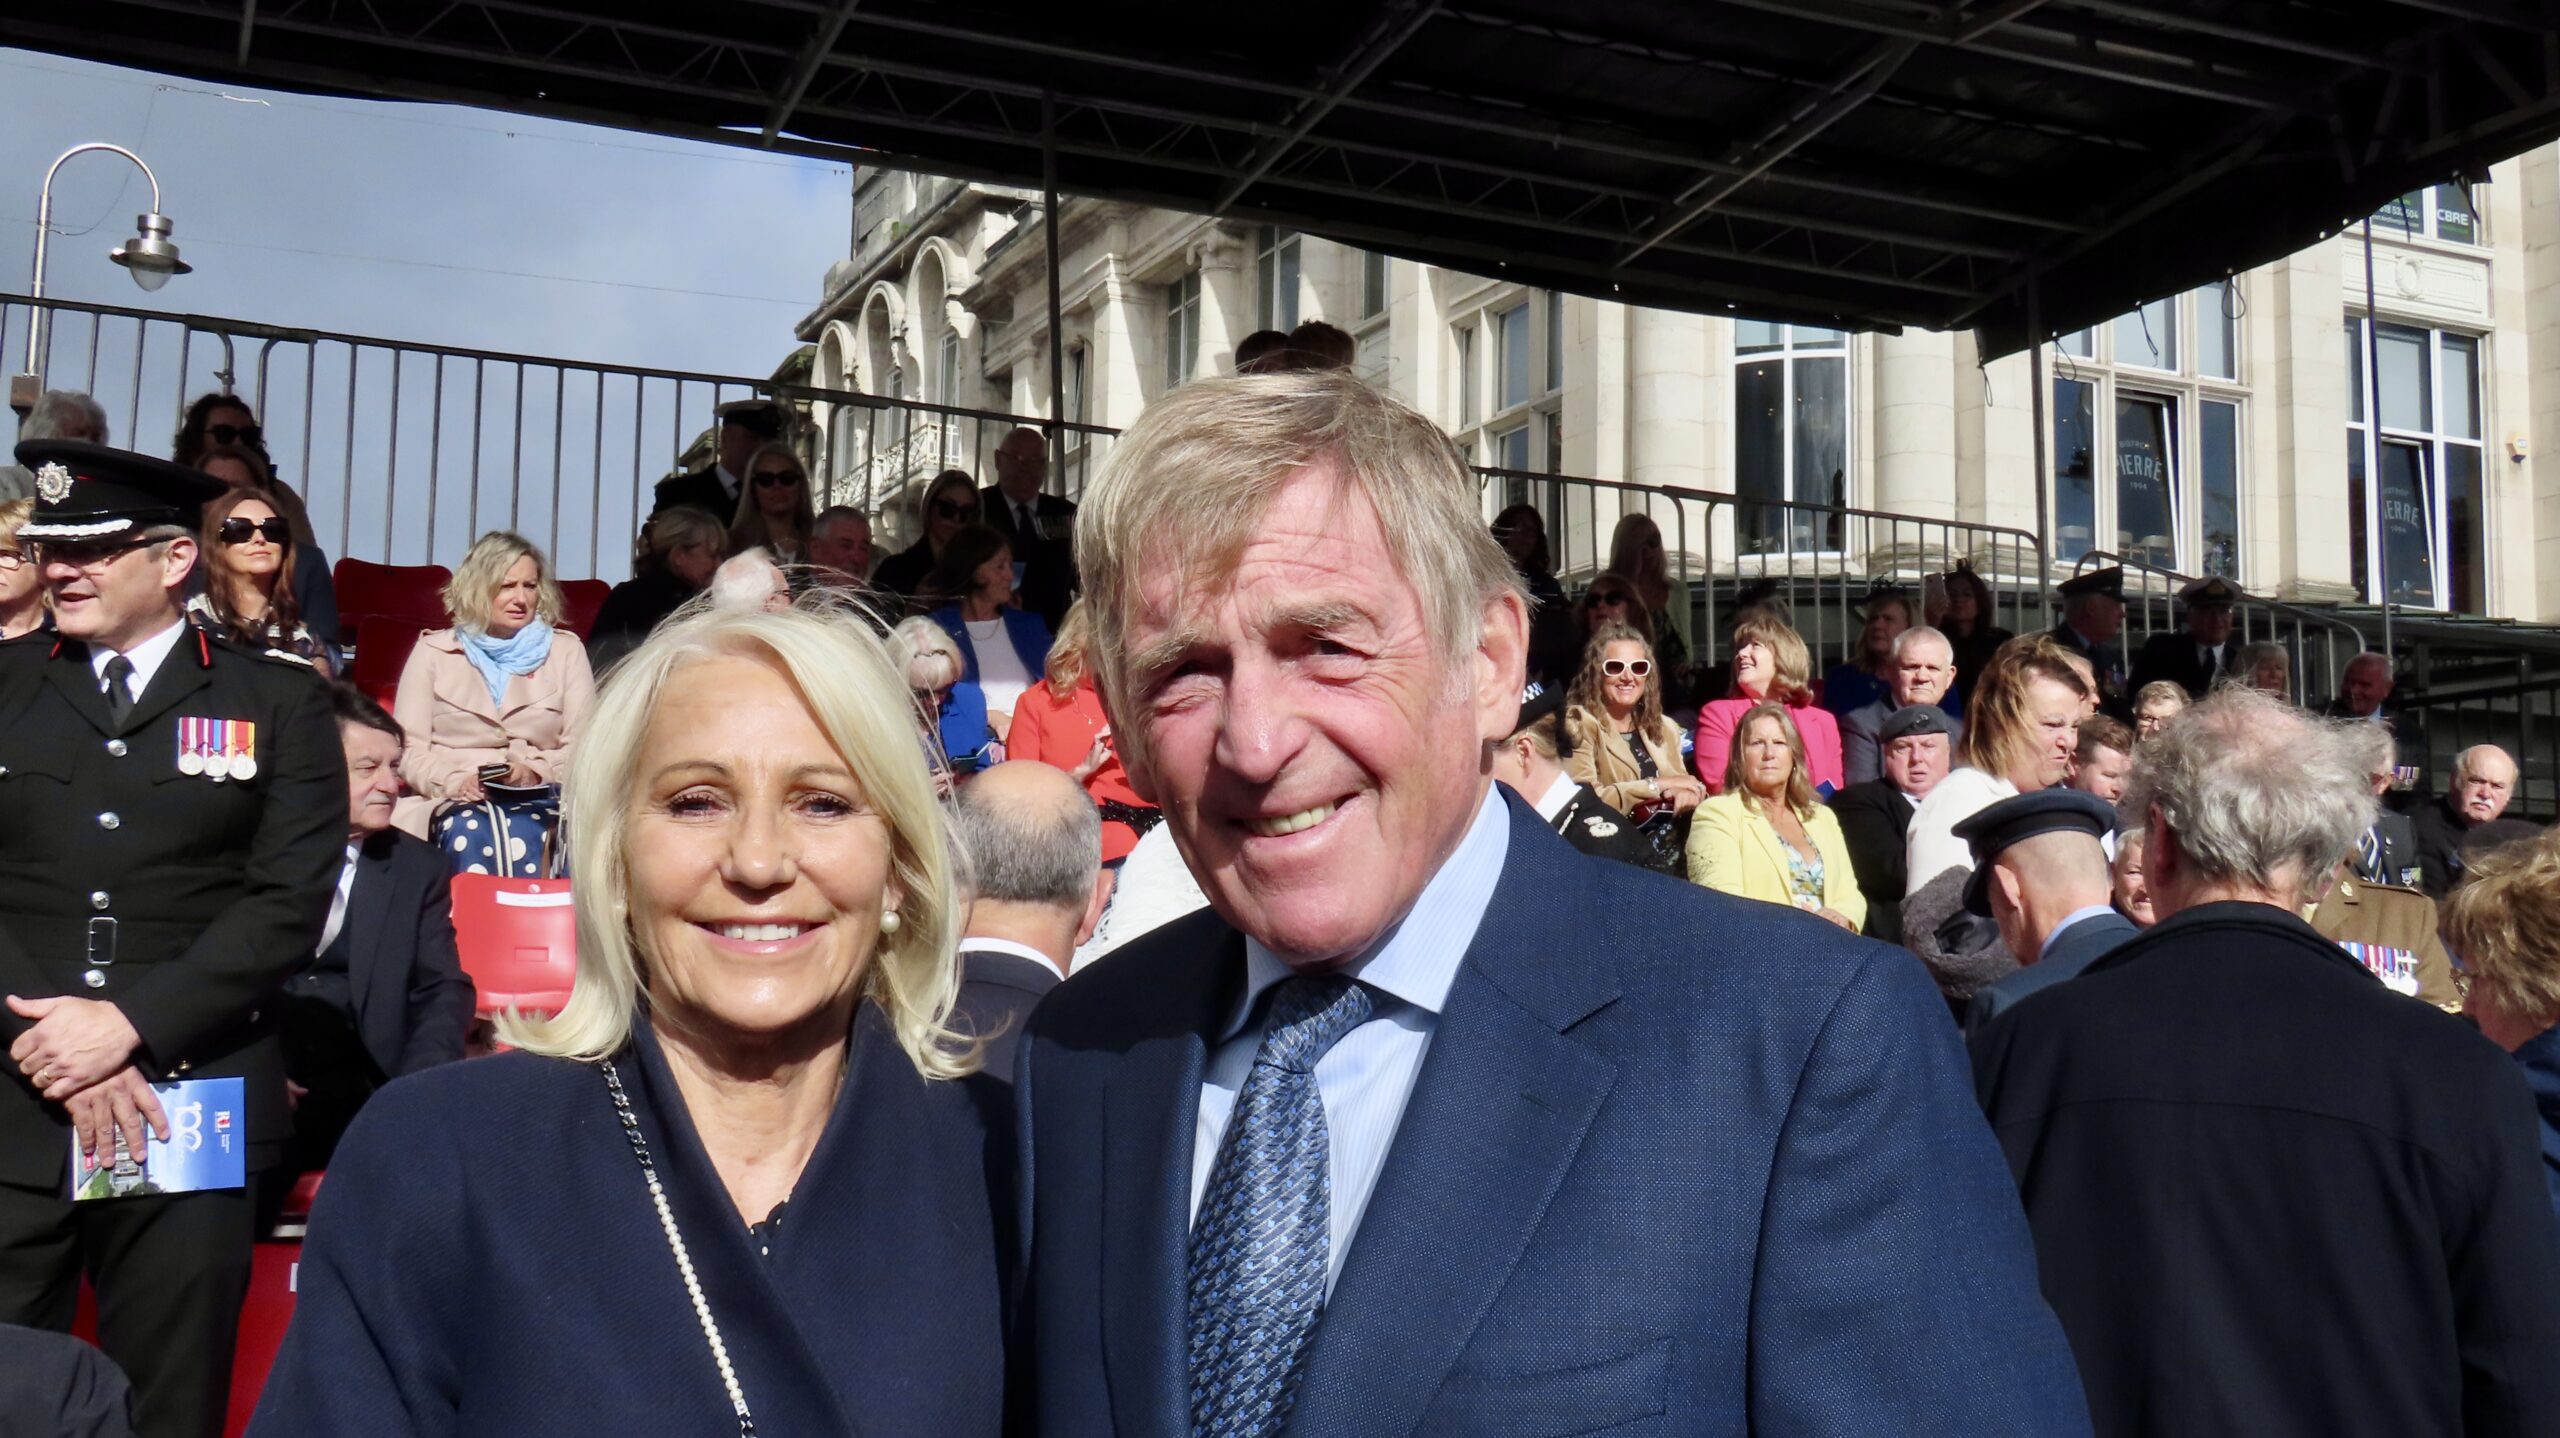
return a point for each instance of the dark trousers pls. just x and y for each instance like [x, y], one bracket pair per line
[170, 1271]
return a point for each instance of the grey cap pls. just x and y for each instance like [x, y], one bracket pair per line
[1913, 719]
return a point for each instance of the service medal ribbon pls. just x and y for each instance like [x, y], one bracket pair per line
[191, 746]
[244, 760]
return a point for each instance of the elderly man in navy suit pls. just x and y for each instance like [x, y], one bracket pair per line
[1431, 1124]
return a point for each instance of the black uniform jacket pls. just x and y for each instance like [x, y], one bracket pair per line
[702, 489]
[2174, 654]
[1588, 823]
[189, 900]
[2272, 1197]
[1876, 821]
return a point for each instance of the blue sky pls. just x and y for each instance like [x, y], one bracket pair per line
[432, 225]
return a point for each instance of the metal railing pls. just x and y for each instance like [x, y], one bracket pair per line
[2317, 645]
[1824, 560]
[405, 452]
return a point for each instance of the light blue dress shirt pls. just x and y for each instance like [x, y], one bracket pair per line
[2075, 916]
[1367, 1077]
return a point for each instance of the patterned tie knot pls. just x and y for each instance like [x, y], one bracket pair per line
[1309, 1015]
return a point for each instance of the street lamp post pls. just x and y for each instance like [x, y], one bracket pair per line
[150, 257]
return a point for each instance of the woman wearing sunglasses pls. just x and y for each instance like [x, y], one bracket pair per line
[21, 585]
[1611, 599]
[774, 512]
[244, 466]
[1623, 746]
[247, 597]
[950, 506]
[1766, 838]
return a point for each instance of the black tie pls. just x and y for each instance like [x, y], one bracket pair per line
[119, 689]
[1022, 522]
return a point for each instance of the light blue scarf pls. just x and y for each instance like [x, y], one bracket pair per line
[496, 659]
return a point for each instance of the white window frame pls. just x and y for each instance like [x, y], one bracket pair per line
[1537, 420]
[2369, 435]
[2432, 203]
[1181, 297]
[1788, 353]
[1279, 269]
[2090, 357]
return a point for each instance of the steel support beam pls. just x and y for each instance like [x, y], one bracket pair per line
[804, 68]
[1395, 26]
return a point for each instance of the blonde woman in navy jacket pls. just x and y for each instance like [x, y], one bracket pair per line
[740, 1175]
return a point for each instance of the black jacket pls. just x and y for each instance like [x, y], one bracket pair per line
[1588, 823]
[997, 992]
[636, 607]
[1876, 820]
[702, 489]
[1048, 558]
[2272, 1197]
[2440, 832]
[2174, 654]
[205, 895]
[413, 1002]
[905, 572]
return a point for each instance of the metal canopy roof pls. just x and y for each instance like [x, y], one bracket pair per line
[1866, 163]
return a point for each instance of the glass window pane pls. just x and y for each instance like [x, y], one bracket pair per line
[2082, 344]
[2408, 563]
[2217, 333]
[2359, 506]
[2462, 386]
[2355, 371]
[2466, 529]
[2407, 215]
[2148, 336]
[1822, 447]
[1759, 452]
[1466, 375]
[2075, 487]
[1753, 336]
[2146, 524]
[1512, 326]
[1554, 425]
[1373, 283]
[1286, 301]
[2218, 489]
[1555, 340]
[1266, 275]
[2455, 219]
[1511, 449]
[1814, 337]
[2406, 402]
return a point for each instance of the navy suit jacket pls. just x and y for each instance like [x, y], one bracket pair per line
[1676, 1163]
[2076, 948]
[484, 1259]
[1030, 640]
[414, 1004]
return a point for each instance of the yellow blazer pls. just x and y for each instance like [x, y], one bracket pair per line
[1733, 849]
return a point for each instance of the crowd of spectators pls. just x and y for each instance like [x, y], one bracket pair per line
[2161, 880]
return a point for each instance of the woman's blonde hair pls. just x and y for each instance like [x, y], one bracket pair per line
[2504, 925]
[1999, 726]
[14, 514]
[845, 676]
[748, 528]
[1799, 786]
[919, 640]
[1793, 683]
[471, 593]
[1069, 651]
[1186, 487]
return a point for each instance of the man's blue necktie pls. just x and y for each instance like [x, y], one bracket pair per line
[1259, 1246]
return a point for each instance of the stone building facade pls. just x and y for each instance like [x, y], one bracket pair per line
[2224, 430]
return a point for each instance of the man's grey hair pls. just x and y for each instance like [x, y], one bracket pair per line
[65, 414]
[2255, 791]
[840, 514]
[1027, 853]
[2462, 767]
[1920, 634]
[2369, 656]
[2372, 747]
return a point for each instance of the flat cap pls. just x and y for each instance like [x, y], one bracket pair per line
[1913, 719]
[2047, 811]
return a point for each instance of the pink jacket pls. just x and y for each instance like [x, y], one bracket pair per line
[453, 729]
[1821, 732]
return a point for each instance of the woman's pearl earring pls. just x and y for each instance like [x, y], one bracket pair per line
[889, 921]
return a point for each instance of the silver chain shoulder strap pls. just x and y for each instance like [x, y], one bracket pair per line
[675, 1242]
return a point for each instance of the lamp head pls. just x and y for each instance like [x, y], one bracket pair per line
[150, 256]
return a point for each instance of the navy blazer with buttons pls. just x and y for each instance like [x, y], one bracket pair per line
[1030, 640]
[485, 1259]
[1675, 1163]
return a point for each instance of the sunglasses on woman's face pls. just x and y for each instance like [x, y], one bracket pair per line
[949, 509]
[239, 531]
[1617, 599]
[1640, 668]
[776, 479]
[233, 433]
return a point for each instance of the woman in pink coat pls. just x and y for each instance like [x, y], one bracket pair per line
[1770, 662]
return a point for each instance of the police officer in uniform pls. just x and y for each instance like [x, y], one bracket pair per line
[2206, 652]
[172, 816]
[2092, 623]
[1532, 760]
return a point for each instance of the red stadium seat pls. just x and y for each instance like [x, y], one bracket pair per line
[580, 599]
[383, 642]
[410, 591]
[518, 939]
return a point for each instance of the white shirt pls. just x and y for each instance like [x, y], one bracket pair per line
[338, 902]
[729, 482]
[1931, 847]
[980, 944]
[1001, 676]
[1366, 1078]
[1559, 794]
[1154, 889]
[147, 657]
